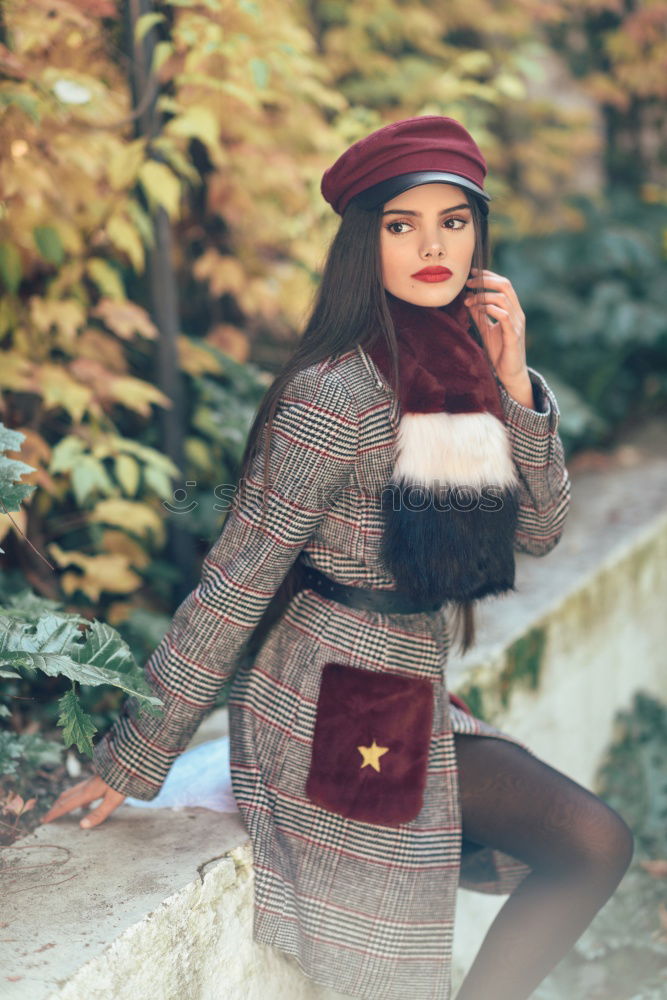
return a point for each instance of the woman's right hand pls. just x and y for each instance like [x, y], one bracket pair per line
[80, 795]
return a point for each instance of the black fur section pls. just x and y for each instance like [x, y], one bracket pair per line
[453, 544]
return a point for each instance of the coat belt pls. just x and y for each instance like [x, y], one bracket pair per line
[388, 602]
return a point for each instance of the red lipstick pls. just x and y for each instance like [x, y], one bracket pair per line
[433, 274]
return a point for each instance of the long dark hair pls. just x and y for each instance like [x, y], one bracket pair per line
[350, 308]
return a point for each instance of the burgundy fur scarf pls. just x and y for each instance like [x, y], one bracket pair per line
[450, 508]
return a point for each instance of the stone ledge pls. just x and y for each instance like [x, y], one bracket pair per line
[159, 902]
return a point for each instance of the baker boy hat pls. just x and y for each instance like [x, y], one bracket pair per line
[424, 150]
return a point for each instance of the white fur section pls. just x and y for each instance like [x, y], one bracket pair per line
[454, 449]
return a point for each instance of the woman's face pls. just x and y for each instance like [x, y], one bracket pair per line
[427, 227]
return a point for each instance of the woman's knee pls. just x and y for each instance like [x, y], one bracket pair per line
[519, 803]
[610, 842]
[595, 841]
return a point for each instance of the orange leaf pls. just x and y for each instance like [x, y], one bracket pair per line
[125, 319]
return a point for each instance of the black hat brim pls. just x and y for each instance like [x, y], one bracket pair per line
[380, 193]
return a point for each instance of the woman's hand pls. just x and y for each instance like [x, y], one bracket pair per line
[498, 315]
[80, 795]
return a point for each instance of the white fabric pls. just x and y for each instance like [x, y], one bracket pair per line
[454, 449]
[198, 777]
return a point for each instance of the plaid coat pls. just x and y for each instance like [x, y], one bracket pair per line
[364, 908]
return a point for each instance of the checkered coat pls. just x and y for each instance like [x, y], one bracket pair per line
[364, 908]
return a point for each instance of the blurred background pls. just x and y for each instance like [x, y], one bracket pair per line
[161, 236]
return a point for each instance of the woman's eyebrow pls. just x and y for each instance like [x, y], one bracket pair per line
[445, 211]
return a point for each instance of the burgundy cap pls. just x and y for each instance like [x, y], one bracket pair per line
[404, 154]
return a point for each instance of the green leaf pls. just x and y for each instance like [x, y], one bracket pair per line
[48, 243]
[158, 481]
[29, 105]
[12, 493]
[89, 475]
[10, 440]
[66, 453]
[142, 221]
[51, 645]
[106, 278]
[77, 725]
[10, 266]
[29, 606]
[260, 72]
[250, 7]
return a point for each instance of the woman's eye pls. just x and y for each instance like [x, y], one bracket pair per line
[391, 228]
[395, 227]
[464, 222]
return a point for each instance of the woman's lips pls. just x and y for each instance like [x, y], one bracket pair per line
[433, 274]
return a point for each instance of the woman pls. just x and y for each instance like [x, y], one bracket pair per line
[410, 453]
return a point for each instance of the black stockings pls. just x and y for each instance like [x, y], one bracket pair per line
[578, 848]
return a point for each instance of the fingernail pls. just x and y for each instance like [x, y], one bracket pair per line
[85, 823]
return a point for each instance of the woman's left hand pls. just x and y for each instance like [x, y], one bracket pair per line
[497, 312]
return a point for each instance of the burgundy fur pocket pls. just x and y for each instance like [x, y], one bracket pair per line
[371, 744]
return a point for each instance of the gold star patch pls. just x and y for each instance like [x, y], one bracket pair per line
[372, 754]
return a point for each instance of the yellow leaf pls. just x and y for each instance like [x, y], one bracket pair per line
[110, 573]
[224, 274]
[128, 474]
[197, 122]
[161, 53]
[137, 395]
[125, 319]
[510, 86]
[106, 278]
[17, 373]
[198, 453]
[196, 360]
[124, 164]
[70, 237]
[145, 23]
[132, 516]
[175, 158]
[162, 187]
[58, 388]
[124, 236]
[68, 315]
[15, 521]
[119, 543]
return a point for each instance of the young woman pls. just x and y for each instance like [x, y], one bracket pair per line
[408, 451]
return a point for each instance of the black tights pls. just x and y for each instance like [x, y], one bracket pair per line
[578, 849]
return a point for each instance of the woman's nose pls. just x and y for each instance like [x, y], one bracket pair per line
[433, 248]
[432, 243]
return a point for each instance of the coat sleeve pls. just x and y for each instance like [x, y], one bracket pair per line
[538, 454]
[312, 456]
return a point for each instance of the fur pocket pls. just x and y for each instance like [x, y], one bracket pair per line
[371, 744]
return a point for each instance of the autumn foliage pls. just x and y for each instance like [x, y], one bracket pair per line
[222, 115]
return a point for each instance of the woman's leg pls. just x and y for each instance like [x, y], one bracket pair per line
[578, 848]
